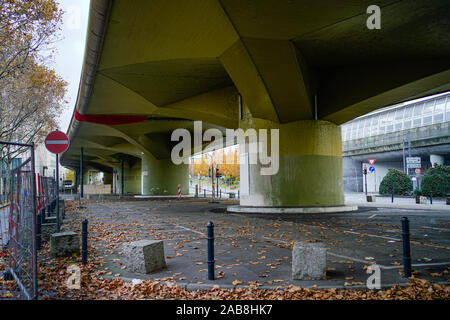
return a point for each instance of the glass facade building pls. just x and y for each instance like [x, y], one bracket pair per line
[404, 116]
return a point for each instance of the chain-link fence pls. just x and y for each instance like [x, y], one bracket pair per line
[4, 225]
[22, 229]
[47, 195]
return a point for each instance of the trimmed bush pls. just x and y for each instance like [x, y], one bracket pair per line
[398, 180]
[436, 179]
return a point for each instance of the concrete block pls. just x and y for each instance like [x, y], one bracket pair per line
[371, 198]
[144, 256]
[46, 230]
[423, 200]
[309, 261]
[64, 244]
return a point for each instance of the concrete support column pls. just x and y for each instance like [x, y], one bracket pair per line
[436, 159]
[86, 177]
[162, 177]
[310, 167]
[108, 178]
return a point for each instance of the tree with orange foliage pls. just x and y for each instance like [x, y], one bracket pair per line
[27, 27]
[31, 95]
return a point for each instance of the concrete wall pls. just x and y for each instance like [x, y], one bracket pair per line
[436, 134]
[381, 169]
[354, 179]
[132, 178]
[352, 175]
[97, 188]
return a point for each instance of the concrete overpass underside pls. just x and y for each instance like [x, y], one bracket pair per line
[304, 67]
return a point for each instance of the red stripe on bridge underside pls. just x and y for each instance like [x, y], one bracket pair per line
[108, 119]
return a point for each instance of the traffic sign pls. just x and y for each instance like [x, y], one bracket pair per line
[372, 161]
[413, 159]
[413, 162]
[372, 169]
[417, 171]
[56, 142]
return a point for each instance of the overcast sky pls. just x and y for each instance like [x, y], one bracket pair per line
[70, 52]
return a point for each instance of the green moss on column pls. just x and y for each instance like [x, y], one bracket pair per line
[161, 177]
[310, 167]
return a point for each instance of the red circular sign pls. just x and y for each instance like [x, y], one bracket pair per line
[56, 142]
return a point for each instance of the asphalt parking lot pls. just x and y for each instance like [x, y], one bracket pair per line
[255, 249]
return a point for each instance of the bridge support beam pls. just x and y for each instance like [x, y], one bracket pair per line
[437, 159]
[162, 177]
[86, 175]
[310, 167]
[108, 178]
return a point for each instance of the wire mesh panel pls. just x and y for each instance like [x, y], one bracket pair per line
[49, 189]
[4, 225]
[22, 229]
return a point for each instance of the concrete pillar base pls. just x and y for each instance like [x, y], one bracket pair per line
[306, 210]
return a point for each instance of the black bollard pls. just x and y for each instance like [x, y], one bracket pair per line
[431, 197]
[84, 238]
[204, 193]
[406, 248]
[38, 231]
[238, 194]
[392, 197]
[210, 239]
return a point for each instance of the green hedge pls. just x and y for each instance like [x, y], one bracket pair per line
[398, 180]
[436, 179]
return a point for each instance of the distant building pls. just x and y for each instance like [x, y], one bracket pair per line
[45, 165]
[383, 134]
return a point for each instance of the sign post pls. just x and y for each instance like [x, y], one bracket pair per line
[57, 142]
[365, 178]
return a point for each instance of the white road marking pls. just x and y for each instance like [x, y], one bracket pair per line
[373, 235]
[434, 228]
[395, 239]
[367, 262]
[372, 216]
[190, 230]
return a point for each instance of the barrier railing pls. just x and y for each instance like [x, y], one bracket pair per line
[22, 265]
[22, 229]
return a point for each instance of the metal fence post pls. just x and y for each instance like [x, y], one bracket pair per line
[84, 236]
[406, 247]
[58, 227]
[43, 216]
[38, 231]
[210, 239]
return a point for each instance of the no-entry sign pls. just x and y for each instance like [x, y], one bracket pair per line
[56, 142]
